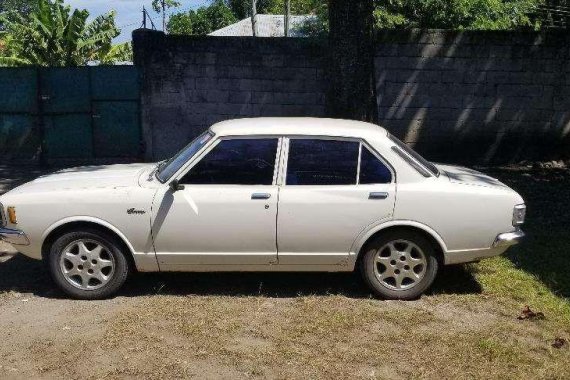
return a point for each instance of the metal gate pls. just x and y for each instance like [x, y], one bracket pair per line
[82, 114]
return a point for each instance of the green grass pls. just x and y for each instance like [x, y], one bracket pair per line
[537, 272]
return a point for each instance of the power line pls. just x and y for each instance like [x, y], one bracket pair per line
[183, 10]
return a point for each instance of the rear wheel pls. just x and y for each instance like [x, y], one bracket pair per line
[88, 264]
[399, 264]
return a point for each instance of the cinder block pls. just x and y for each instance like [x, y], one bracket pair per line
[262, 97]
[235, 109]
[300, 98]
[255, 85]
[240, 97]
[205, 58]
[272, 60]
[267, 110]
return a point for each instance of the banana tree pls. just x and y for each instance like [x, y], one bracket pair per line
[54, 35]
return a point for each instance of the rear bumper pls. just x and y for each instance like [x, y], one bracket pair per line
[508, 238]
[500, 245]
[13, 236]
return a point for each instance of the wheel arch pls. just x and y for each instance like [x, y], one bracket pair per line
[76, 223]
[428, 232]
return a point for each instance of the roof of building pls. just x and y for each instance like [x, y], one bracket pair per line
[296, 126]
[267, 26]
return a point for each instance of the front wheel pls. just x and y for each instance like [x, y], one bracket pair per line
[399, 264]
[88, 264]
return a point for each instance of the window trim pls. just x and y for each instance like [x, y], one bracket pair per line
[410, 161]
[182, 167]
[415, 162]
[282, 180]
[199, 156]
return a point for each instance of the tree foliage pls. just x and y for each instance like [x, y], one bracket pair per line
[225, 12]
[9, 7]
[455, 14]
[53, 35]
[157, 4]
[442, 14]
[203, 20]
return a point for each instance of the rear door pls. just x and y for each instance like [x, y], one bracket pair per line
[333, 189]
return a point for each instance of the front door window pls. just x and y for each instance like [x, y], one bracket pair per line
[236, 162]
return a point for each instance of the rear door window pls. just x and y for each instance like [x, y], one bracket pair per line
[372, 170]
[322, 162]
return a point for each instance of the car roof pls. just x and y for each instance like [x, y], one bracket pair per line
[310, 126]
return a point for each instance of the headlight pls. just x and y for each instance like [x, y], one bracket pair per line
[519, 213]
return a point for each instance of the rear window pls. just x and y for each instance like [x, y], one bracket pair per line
[403, 149]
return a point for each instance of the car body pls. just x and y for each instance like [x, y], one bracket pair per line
[269, 194]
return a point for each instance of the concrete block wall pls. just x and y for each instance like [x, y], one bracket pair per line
[476, 97]
[461, 97]
[190, 83]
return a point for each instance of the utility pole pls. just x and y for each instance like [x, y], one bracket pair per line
[163, 3]
[287, 16]
[253, 14]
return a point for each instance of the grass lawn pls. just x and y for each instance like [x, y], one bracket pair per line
[329, 326]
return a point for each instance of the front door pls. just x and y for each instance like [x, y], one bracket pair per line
[227, 212]
[334, 189]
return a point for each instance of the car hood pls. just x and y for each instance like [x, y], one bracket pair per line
[463, 175]
[112, 176]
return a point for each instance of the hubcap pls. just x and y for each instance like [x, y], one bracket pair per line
[400, 265]
[87, 264]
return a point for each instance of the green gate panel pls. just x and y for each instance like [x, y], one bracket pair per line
[19, 137]
[116, 128]
[84, 112]
[65, 89]
[68, 136]
[18, 87]
[115, 83]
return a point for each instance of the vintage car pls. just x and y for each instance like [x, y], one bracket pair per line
[265, 194]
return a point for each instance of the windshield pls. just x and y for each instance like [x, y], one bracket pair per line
[166, 169]
[425, 163]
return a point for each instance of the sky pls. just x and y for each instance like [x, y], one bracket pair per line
[129, 12]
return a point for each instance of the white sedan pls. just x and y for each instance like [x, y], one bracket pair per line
[266, 194]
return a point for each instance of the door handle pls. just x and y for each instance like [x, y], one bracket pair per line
[378, 195]
[260, 196]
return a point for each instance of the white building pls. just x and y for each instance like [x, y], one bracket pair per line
[267, 26]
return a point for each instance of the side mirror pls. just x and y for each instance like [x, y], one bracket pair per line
[175, 186]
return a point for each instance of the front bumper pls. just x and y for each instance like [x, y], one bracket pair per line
[508, 238]
[13, 236]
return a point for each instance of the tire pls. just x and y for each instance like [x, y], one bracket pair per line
[88, 264]
[399, 265]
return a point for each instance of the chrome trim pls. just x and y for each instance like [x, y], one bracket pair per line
[15, 237]
[3, 220]
[412, 162]
[378, 195]
[260, 196]
[508, 238]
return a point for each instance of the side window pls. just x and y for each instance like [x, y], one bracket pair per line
[236, 162]
[322, 162]
[372, 170]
